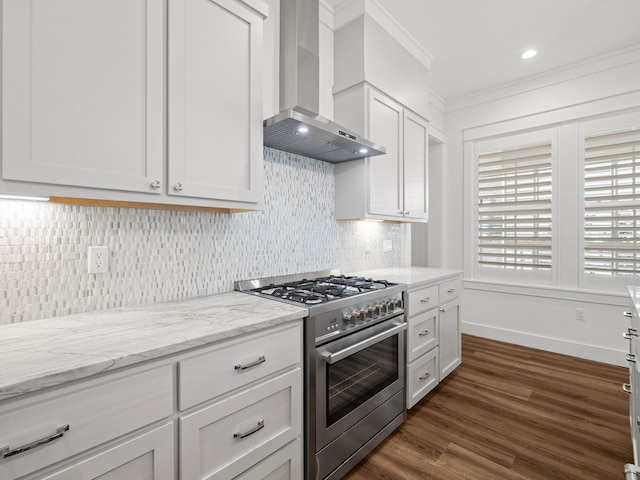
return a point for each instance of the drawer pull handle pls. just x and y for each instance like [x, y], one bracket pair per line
[425, 300]
[631, 358]
[626, 387]
[630, 333]
[424, 333]
[260, 426]
[627, 314]
[6, 452]
[260, 360]
[451, 290]
[425, 376]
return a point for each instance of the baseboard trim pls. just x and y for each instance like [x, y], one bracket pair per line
[581, 350]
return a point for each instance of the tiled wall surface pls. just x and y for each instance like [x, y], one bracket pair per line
[160, 255]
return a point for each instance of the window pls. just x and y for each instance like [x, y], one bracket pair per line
[514, 224]
[612, 204]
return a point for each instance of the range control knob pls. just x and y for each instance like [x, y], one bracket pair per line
[398, 303]
[368, 312]
[390, 306]
[377, 310]
[349, 319]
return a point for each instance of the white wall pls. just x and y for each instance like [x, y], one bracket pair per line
[542, 318]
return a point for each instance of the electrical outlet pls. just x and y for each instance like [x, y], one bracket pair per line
[580, 314]
[98, 259]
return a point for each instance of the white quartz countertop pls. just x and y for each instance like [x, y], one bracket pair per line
[410, 276]
[44, 353]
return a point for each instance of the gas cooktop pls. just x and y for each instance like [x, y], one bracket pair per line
[313, 289]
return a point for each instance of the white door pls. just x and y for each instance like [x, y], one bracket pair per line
[385, 171]
[215, 100]
[450, 337]
[416, 166]
[82, 93]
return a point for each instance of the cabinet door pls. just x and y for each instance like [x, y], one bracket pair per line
[416, 166]
[82, 92]
[147, 457]
[215, 106]
[450, 346]
[385, 171]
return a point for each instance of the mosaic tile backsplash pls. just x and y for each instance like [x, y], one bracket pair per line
[162, 255]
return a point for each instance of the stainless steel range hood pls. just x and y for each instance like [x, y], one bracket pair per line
[298, 128]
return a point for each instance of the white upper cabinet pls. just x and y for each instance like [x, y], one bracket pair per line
[416, 166]
[82, 100]
[215, 112]
[393, 186]
[381, 92]
[138, 101]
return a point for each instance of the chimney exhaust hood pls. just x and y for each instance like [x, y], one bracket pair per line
[298, 128]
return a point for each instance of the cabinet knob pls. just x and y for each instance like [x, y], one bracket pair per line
[155, 184]
[177, 187]
[626, 387]
[627, 314]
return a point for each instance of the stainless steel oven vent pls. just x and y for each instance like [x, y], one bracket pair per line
[298, 128]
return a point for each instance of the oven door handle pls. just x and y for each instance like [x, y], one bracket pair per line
[333, 357]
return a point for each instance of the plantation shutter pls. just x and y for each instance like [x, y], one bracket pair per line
[612, 203]
[514, 208]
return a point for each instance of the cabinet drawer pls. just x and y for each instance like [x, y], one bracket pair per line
[422, 300]
[228, 437]
[148, 456]
[94, 414]
[237, 363]
[449, 290]
[422, 334]
[422, 377]
[285, 464]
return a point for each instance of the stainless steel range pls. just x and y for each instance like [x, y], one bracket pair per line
[354, 353]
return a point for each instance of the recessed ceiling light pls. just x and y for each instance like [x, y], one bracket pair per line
[303, 129]
[528, 54]
[363, 150]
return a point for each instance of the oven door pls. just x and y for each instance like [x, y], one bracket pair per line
[355, 375]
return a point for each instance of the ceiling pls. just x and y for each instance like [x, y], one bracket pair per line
[476, 44]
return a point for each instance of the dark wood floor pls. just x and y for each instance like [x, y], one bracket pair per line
[510, 412]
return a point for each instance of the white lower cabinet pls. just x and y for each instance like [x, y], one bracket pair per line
[422, 377]
[242, 421]
[450, 347]
[285, 464]
[223, 440]
[145, 457]
[433, 335]
[54, 427]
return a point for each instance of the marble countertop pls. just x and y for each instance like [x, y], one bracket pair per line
[410, 276]
[44, 353]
